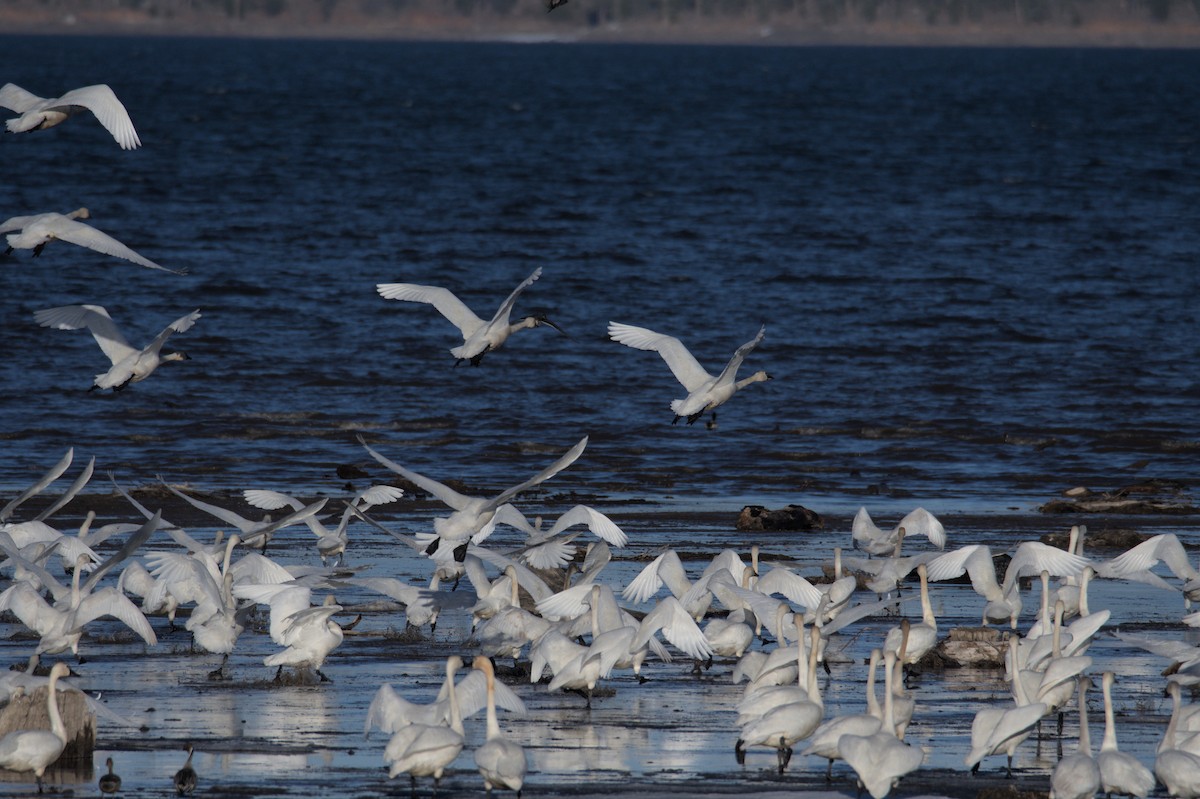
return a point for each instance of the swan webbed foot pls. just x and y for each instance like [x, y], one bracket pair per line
[36, 252]
[739, 752]
[279, 673]
[643, 679]
[322, 676]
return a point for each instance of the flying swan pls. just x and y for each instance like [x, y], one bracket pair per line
[38, 230]
[38, 113]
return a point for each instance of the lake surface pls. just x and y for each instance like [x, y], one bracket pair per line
[976, 270]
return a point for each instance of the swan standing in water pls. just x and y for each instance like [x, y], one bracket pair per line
[824, 741]
[34, 750]
[424, 750]
[1120, 772]
[881, 759]
[185, 778]
[501, 762]
[38, 113]
[129, 364]
[1077, 776]
[479, 337]
[473, 518]
[705, 392]
[38, 230]
[997, 730]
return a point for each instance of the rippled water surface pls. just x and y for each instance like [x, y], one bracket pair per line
[976, 270]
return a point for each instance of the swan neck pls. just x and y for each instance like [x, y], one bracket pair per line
[56, 723]
[455, 714]
[1085, 739]
[493, 727]
[926, 606]
[889, 713]
[1109, 743]
[872, 701]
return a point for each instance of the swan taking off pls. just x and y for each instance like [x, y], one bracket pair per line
[705, 392]
[129, 364]
[479, 337]
[41, 112]
[37, 230]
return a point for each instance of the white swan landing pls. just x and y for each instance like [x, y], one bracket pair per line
[479, 337]
[38, 230]
[705, 392]
[41, 112]
[129, 364]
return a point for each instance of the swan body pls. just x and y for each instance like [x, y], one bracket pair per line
[881, 759]
[473, 517]
[38, 113]
[129, 364]
[1120, 772]
[1077, 776]
[35, 231]
[479, 337]
[501, 762]
[824, 741]
[308, 633]
[918, 639]
[424, 750]
[1000, 730]
[705, 392]
[330, 543]
[35, 750]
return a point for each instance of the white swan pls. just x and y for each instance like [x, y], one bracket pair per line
[34, 750]
[705, 392]
[501, 762]
[38, 230]
[875, 541]
[251, 533]
[473, 518]
[389, 711]
[1135, 564]
[1077, 776]
[881, 759]
[919, 638]
[824, 741]
[1120, 772]
[129, 364]
[997, 730]
[1004, 600]
[38, 113]
[479, 337]
[330, 543]
[424, 750]
[548, 549]
[308, 633]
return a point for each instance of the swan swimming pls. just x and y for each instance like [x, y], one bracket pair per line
[479, 337]
[705, 392]
[38, 113]
[38, 230]
[129, 364]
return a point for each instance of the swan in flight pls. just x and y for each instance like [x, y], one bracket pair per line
[705, 392]
[38, 230]
[38, 113]
[330, 543]
[252, 533]
[875, 541]
[473, 518]
[129, 364]
[479, 337]
[501, 762]
[34, 750]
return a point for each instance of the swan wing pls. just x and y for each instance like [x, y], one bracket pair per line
[569, 457]
[600, 525]
[377, 495]
[27, 605]
[554, 554]
[55, 472]
[505, 309]
[83, 235]
[443, 492]
[444, 300]
[648, 580]
[1034, 557]
[82, 480]
[180, 325]
[225, 515]
[110, 602]
[729, 373]
[1146, 555]
[14, 98]
[96, 319]
[683, 364]
[796, 588]
[975, 560]
[388, 711]
[131, 545]
[534, 585]
[921, 522]
[111, 113]
[270, 500]
[677, 627]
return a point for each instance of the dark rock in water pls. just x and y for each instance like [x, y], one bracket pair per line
[1117, 538]
[348, 471]
[792, 517]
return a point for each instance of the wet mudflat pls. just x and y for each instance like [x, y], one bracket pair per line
[671, 735]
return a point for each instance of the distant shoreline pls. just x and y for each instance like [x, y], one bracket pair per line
[707, 32]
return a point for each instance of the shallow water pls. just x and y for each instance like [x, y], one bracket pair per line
[975, 269]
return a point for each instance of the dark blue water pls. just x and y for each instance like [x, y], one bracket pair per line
[976, 268]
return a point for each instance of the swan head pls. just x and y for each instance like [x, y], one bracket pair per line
[540, 319]
[176, 356]
[80, 213]
[60, 670]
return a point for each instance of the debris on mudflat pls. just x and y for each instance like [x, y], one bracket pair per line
[970, 647]
[792, 517]
[1147, 497]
